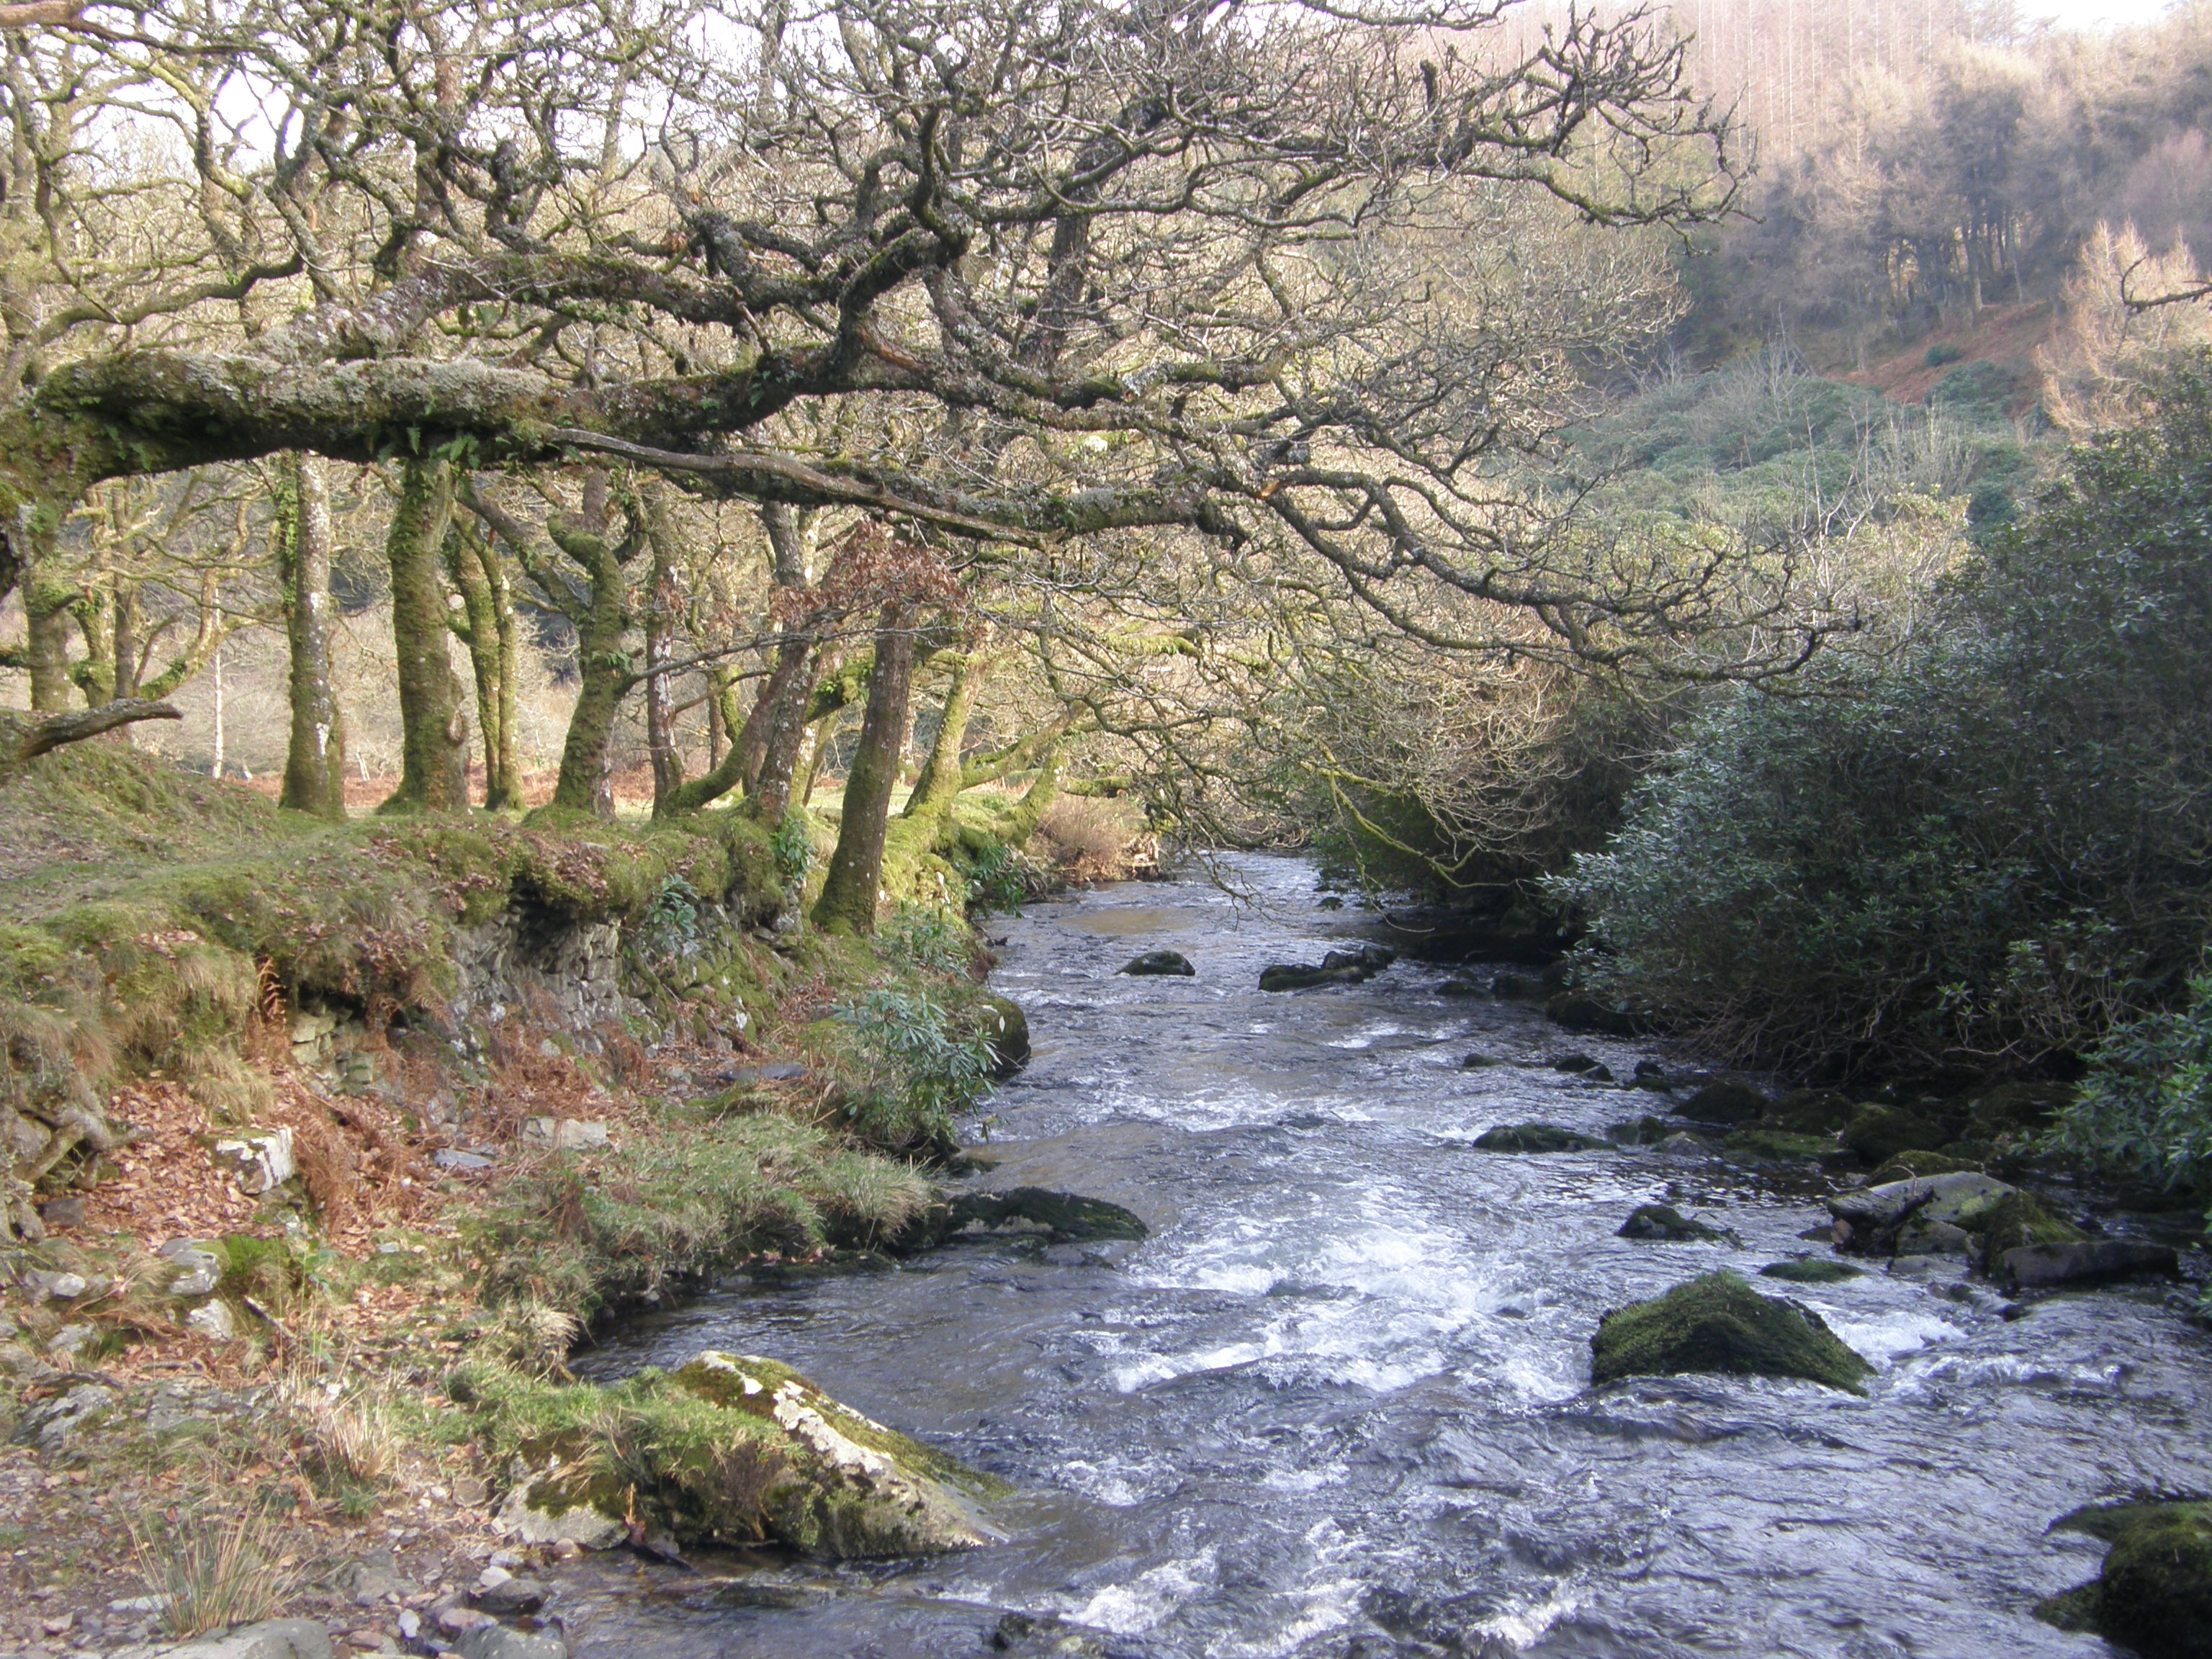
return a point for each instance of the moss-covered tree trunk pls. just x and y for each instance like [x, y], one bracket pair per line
[486, 625]
[314, 759]
[785, 742]
[434, 736]
[848, 895]
[603, 670]
[941, 781]
[49, 600]
[662, 605]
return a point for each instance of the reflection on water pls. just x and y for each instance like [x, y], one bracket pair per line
[1338, 1403]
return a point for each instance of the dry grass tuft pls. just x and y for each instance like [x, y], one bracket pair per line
[1093, 837]
[213, 1575]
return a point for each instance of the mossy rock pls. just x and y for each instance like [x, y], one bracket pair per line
[1811, 1270]
[1645, 1131]
[1664, 1224]
[1007, 1033]
[1582, 1013]
[2019, 1219]
[1778, 1146]
[1061, 1218]
[1910, 1165]
[1169, 964]
[2016, 1110]
[1727, 1103]
[732, 1449]
[2155, 1593]
[1811, 1111]
[1537, 1137]
[1878, 1133]
[1718, 1323]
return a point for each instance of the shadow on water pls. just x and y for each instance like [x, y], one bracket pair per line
[1337, 1404]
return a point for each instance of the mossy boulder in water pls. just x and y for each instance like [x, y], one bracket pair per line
[1718, 1323]
[1063, 1218]
[1660, 1223]
[1167, 963]
[1779, 1147]
[1913, 1165]
[1007, 1033]
[1727, 1102]
[1811, 1111]
[1878, 1133]
[1811, 1270]
[2154, 1594]
[1536, 1138]
[728, 1449]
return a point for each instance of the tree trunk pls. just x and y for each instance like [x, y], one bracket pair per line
[48, 603]
[487, 627]
[785, 741]
[848, 903]
[941, 782]
[433, 737]
[314, 762]
[660, 609]
[586, 782]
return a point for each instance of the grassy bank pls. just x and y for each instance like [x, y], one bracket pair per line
[526, 1077]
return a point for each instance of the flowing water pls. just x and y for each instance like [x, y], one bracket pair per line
[1338, 1403]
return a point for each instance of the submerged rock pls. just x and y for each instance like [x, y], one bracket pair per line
[1575, 1063]
[2089, 1261]
[1166, 963]
[2154, 1592]
[1718, 1323]
[733, 1449]
[1536, 1138]
[1664, 1224]
[1303, 977]
[1459, 985]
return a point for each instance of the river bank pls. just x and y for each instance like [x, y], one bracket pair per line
[1331, 1398]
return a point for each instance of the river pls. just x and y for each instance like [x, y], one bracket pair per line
[1338, 1403]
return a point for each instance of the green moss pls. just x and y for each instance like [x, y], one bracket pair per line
[1811, 1111]
[1718, 1323]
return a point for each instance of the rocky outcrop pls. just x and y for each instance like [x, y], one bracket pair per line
[1718, 1323]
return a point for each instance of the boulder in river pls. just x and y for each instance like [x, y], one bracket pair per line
[1459, 985]
[1350, 967]
[1663, 1224]
[1811, 1270]
[2154, 1592]
[1536, 1138]
[732, 1449]
[1577, 1062]
[2085, 1261]
[1063, 1217]
[1878, 1133]
[1727, 1102]
[1718, 1323]
[1957, 1198]
[1812, 1111]
[1578, 1013]
[1162, 962]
